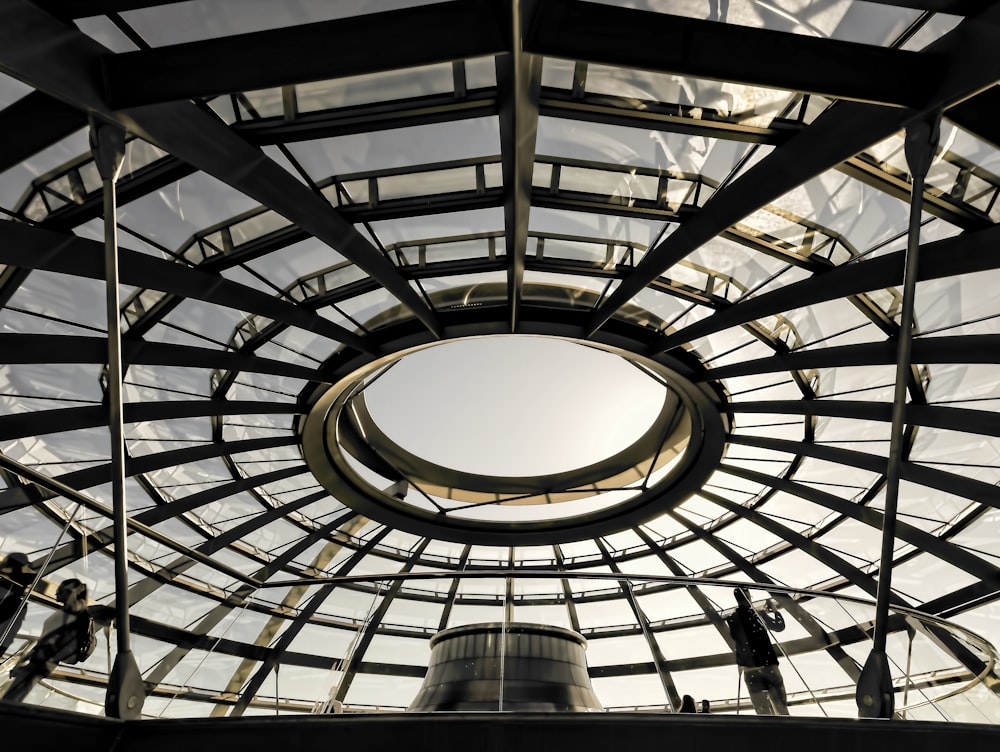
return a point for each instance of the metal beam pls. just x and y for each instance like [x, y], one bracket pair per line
[69, 71]
[969, 348]
[816, 630]
[678, 45]
[38, 422]
[818, 551]
[932, 544]
[967, 54]
[940, 480]
[371, 626]
[57, 487]
[87, 8]
[35, 122]
[978, 115]
[172, 354]
[962, 254]
[36, 248]
[519, 76]
[672, 117]
[350, 46]
[965, 420]
[704, 603]
[659, 659]
[199, 499]
[402, 113]
[315, 602]
[953, 7]
[125, 695]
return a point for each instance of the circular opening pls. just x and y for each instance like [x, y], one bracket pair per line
[506, 437]
[513, 405]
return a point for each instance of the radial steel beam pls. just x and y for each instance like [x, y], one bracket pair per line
[953, 483]
[519, 76]
[937, 546]
[348, 525]
[90, 477]
[70, 71]
[965, 420]
[204, 555]
[953, 7]
[978, 115]
[86, 8]
[316, 601]
[967, 56]
[57, 486]
[750, 569]
[704, 603]
[29, 247]
[812, 547]
[39, 422]
[967, 253]
[371, 626]
[969, 348]
[659, 659]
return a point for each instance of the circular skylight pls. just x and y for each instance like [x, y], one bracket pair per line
[596, 438]
[514, 405]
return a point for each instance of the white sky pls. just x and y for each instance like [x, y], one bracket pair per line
[514, 405]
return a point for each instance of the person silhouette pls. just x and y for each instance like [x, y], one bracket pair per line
[756, 657]
[58, 643]
[687, 704]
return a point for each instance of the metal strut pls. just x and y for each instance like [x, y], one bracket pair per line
[125, 695]
[875, 695]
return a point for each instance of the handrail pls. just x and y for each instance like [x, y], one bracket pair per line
[571, 575]
[988, 650]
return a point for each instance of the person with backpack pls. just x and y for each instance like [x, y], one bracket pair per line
[755, 655]
[68, 636]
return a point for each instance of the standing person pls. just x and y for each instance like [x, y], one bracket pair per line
[756, 657]
[687, 704]
[16, 575]
[59, 642]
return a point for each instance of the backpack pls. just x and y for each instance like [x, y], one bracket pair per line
[86, 636]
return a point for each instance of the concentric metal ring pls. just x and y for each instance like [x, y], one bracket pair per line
[362, 466]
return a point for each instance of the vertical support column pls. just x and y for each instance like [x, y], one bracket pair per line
[508, 612]
[875, 696]
[125, 695]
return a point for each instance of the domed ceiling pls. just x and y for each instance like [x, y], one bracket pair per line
[416, 297]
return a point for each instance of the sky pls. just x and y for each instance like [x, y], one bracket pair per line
[515, 405]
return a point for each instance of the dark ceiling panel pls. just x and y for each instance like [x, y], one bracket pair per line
[629, 38]
[978, 115]
[353, 46]
[35, 122]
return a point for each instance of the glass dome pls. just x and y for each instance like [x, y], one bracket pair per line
[577, 314]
